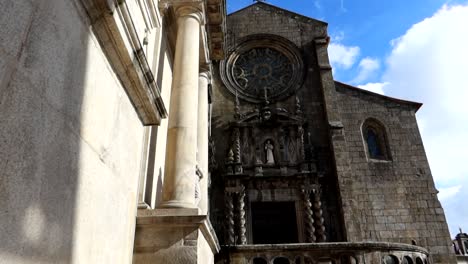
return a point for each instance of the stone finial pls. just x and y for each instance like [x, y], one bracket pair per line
[230, 157]
[265, 89]
[298, 106]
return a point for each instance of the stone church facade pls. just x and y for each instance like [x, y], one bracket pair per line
[169, 132]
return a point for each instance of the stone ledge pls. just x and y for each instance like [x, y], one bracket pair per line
[171, 220]
[327, 252]
[354, 246]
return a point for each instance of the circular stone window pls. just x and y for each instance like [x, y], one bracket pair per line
[263, 67]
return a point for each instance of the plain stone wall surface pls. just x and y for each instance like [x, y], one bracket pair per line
[70, 141]
[394, 200]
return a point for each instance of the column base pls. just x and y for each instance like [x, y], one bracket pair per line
[177, 204]
[143, 206]
[173, 236]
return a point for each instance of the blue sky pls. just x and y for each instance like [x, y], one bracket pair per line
[415, 50]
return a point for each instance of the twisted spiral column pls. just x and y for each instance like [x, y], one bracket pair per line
[318, 219]
[237, 151]
[230, 219]
[309, 220]
[242, 229]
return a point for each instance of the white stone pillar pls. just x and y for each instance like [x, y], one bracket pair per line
[202, 138]
[180, 167]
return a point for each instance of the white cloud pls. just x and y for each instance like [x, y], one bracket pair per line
[449, 192]
[376, 87]
[342, 7]
[339, 36]
[367, 67]
[429, 64]
[317, 4]
[342, 56]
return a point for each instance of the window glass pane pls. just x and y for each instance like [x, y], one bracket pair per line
[373, 144]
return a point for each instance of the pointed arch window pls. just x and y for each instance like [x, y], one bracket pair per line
[375, 140]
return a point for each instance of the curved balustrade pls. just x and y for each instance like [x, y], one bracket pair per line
[328, 253]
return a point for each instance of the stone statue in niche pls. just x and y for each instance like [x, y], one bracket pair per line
[270, 159]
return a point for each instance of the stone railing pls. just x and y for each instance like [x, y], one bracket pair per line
[328, 253]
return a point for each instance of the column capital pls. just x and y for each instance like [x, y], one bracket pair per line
[190, 11]
[205, 74]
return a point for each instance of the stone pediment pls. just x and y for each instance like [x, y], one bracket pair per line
[280, 11]
[270, 19]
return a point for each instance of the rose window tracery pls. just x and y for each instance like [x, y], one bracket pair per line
[263, 67]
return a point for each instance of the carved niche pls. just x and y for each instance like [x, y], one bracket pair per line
[268, 141]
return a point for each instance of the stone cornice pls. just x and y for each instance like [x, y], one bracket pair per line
[332, 246]
[113, 26]
[214, 23]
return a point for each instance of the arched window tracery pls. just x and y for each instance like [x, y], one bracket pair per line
[375, 140]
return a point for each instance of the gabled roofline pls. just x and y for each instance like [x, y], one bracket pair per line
[291, 13]
[416, 105]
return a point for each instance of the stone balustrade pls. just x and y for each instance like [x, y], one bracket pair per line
[328, 253]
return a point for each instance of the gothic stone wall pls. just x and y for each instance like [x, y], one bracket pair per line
[393, 200]
[265, 19]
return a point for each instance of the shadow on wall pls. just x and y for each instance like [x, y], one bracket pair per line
[43, 51]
